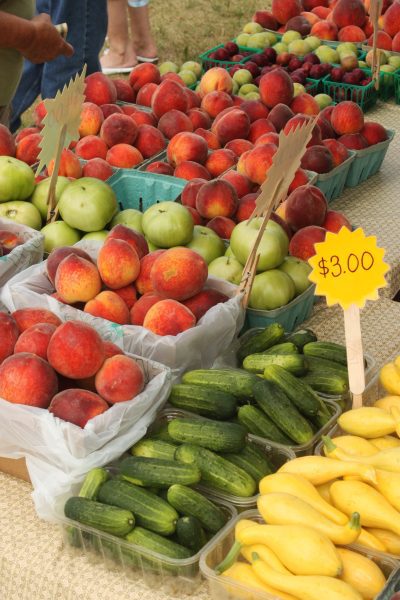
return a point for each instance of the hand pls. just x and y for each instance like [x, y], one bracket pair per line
[45, 43]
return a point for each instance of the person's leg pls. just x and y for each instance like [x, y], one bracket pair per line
[120, 52]
[142, 38]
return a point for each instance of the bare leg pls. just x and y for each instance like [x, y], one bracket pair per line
[121, 52]
[141, 35]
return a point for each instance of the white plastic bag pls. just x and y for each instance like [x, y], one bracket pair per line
[194, 348]
[24, 255]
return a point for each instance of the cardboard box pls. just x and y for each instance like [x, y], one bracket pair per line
[15, 467]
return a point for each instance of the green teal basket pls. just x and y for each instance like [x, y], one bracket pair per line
[367, 162]
[140, 190]
[387, 83]
[289, 316]
[397, 87]
[209, 63]
[363, 95]
[333, 183]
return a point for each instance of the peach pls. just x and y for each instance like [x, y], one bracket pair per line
[144, 118]
[339, 152]
[203, 301]
[258, 128]
[349, 12]
[187, 146]
[145, 94]
[283, 10]
[136, 240]
[188, 169]
[28, 148]
[199, 118]
[77, 279]
[167, 96]
[91, 146]
[69, 165]
[173, 77]
[217, 198]
[297, 121]
[219, 161]
[179, 273]
[318, 159]
[210, 137]
[246, 207]
[305, 206]
[118, 263]
[347, 117]
[353, 141]
[351, 33]
[396, 42]
[35, 339]
[321, 11]
[232, 125]
[384, 41]
[193, 98]
[255, 110]
[124, 156]
[311, 4]
[279, 116]
[142, 74]
[215, 102]
[100, 89]
[268, 138]
[374, 133]
[140, 308]
[222, 226]
[197, 218]
[259, 161]
[310, 17]
[110, 109]
[119, 379]
[128, 295]
[174, 121]
[301, 24]
[160, 167]
[266, 19]
[111, 349]
[118, 129]
[305, 104]
[124, 91]
[77, 406]
[8, 335]
[300, 178]
[190, 191]
[57, 255]
[169, 317]
[302, 243]
[143, 281]
[26, 317]
[391, 19]
[325, 30]
[237, 100]
[149, 141]
[27, 379]
[23, 133]
[241, 183]
[108, 305]
[326, 113]
[276, 87]
[39, 113]
[238, 146]
[215, 79]
[76, 350]
[326, 128]
[98, 168]
[334, 221]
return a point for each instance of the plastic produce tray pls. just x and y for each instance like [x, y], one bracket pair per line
[209, 63]
[333, 183]
[387, 84]
[222, 588]
[363, 95]
[397, 87]
[368, 161]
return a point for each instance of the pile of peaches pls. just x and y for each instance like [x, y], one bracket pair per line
[64, 367]
[8, 241]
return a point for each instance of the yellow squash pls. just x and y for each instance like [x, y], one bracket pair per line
[367, 422]
[374, 509]
[388, 460]
[390, 540]
[285, 509]
[361, 573]
[353, 444]
[290, 483]
[389, 377]
[388, 402]
[388, 484]
[319, 469]
[305, 587]
[266, 555]
[243, 574]
[387, 441]
[323, 491]
[368, 540]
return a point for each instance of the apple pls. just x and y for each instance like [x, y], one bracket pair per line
[21, 212]
[298, 270]
[229, 252]
[326, 54]
[59, 234]
[242, 76]
[313, 41]
[271, 290]
[226, 267]
[97, 236]
[298, 89]
[290, 36]
[252, 27]
[168, 67]
[207, 243]
[273, 246]
[168, 224]
[394, 61]
[187, 77]
[39, 196]
[280, 47]
[192, 65]
[17, 180]
[323, 100]
[130, 217]
[87, 204]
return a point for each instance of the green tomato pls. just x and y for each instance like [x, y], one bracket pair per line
[206, 243]
[168, 224]
[87, 204]
[271, 289]
[17, 179]
[59, 234]
[273, 247]
[21, 212]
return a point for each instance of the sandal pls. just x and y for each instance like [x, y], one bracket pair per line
[144, 59]
[116, 70]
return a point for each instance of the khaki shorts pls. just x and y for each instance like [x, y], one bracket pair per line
[4, 115]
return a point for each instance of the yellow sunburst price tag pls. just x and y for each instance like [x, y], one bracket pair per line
[348, 268]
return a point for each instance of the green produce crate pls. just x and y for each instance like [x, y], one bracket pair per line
[387, 84]
[139, 190]
[289, 316]
[209, 63]
[397, 87]
[363, 95]
[367, 162]
[314, 86]
[333, 183]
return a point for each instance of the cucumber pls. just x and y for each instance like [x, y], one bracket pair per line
[159, 473]
[253, 461]
[92, 483]
[259, 342]
[190, 533]
[214, 435]
[197, 399]
[191, 503]
[156, 543]
[217, 472]
[330, 383]
[294, 363]
[321, 365]
[161, 433]
[154, 449]
[302, 396]
[283, 348]
[327, 350]
[257, 423]
[277, 406]
[301, 337]
[237, 382]
[110, 519]
[149, 510]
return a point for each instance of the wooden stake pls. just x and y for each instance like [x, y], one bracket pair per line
[51, 196]
[375, 13]
[355, 355]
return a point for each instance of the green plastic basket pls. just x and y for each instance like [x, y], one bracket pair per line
[397, 87]
[363, 95]
[313, 86]
[333, 183]
[209, 63]
[289, 316]
[367, 162]
[140, 190]
[387, 85]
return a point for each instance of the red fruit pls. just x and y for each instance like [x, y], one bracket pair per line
[8, 335]
[27, 379]
[203, 301]
[334, 221]
[347, 117]
[275, 88]
[349, 12]
[354, 141]
[302, 243]
[374, 133]
[305, 206]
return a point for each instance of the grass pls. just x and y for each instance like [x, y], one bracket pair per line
[183, 29]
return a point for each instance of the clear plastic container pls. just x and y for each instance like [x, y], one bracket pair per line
[223, 588]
